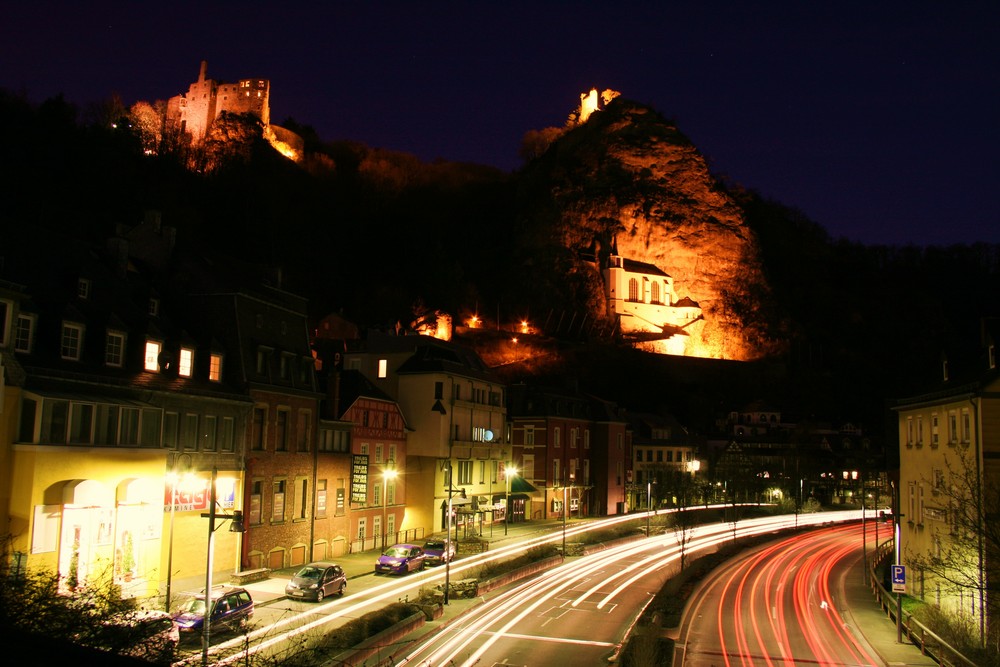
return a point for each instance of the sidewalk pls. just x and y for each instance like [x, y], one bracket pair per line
[363, 563]
[866, 617]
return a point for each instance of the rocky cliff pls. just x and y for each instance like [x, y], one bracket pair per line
[628, 176]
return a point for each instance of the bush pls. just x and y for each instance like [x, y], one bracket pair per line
[320, 650]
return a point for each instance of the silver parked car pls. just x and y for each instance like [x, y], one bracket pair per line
[317, 580]
[439, 551]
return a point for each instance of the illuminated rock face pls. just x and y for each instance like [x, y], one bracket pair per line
[629, 176]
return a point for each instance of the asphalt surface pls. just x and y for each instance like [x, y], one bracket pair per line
[864, 613]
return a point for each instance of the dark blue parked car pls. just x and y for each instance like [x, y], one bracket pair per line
[400, 559]
[231, 608]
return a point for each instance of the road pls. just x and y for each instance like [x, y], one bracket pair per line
[780, 605]
[579, 612]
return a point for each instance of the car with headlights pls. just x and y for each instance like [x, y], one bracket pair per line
[315, 581]
[400, 559]
[230, 608]
[438, 552]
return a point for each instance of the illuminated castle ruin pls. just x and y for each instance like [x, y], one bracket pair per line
[206, 99]
[194, 112]
[591, 102]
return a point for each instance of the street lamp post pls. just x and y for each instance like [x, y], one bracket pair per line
[387, 474]
[170, 549]
[236, 527]
[649, 501]
[174, 479]
[564, 512]
[447, 535]
[509, 472]
[206, 623]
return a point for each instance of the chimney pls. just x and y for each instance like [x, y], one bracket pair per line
[203, 72]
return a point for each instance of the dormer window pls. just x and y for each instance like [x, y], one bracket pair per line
[185, 365]
[72, 341]
[285, 365]
[151, 357]
[154, 307]
[114, 349]
[24, 333]
[6, 309]
[215, 368]
[263, 360]
[83, 288]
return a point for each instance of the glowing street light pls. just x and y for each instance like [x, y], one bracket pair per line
[387, 474]
[509, 472]
[235, 527]
[649, 501]
[175, 478]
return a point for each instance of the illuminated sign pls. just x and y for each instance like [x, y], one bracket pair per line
[359, 479]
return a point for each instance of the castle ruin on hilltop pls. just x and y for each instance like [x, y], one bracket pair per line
[193, 113]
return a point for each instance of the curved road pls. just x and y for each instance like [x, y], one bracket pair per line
[779, 606]
[579, 612]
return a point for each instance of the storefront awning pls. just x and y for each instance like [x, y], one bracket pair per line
[521, 485]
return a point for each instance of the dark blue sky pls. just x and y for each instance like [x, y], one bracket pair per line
[877, 119]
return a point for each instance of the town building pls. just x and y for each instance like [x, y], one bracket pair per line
[455, 410]
[110, 390]
[571, 451]
[266, 327]
[667, 471]
[642, 298]
[761, 455]
[948, 493]
[377, 491]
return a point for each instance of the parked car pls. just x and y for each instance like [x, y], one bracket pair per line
[231, 608]
[400, 559]
[317, 580]
[439, 551]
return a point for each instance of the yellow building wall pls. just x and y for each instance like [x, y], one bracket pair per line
[124, 503]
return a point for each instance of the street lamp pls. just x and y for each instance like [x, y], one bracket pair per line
[564, 508]
[649, 500]
[387, 474]
[509, 472]
[174, 479]
[235, 527]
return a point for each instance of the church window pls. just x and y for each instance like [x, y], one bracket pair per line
[633, 289]
[655, 293]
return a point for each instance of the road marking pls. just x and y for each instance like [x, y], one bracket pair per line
[557, 640]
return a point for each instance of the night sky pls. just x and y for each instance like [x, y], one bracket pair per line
[879, 120]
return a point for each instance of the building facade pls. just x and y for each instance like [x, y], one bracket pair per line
[456, 447]
[116, 392]
[948, 492]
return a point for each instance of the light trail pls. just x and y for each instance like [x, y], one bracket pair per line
[751, 622]
[455, 644]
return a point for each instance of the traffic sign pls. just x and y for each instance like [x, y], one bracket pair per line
[898, 578]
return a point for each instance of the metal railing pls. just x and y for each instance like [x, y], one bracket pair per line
[916, 632]
[413, 535]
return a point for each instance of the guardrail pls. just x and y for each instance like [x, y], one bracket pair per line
[413, 535]
[919, 634]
